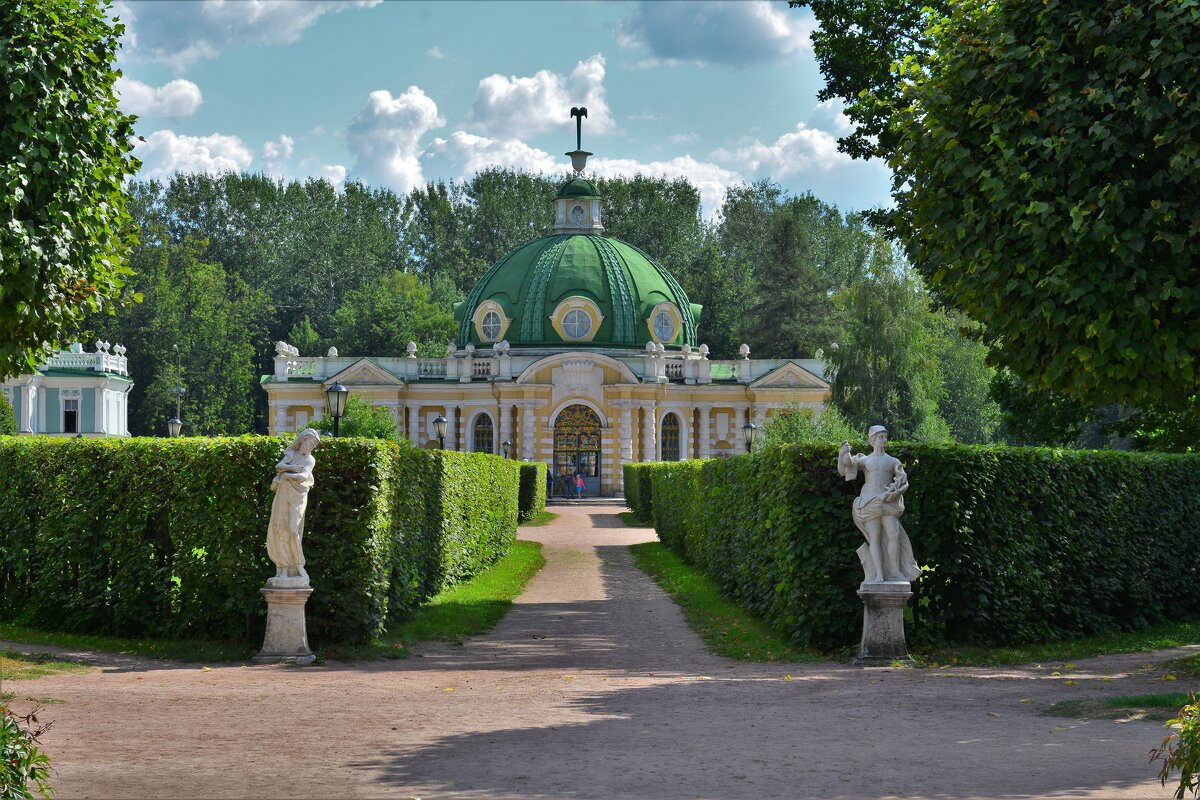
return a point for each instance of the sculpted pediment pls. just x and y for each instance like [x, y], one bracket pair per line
[365, 372]
[789, 376]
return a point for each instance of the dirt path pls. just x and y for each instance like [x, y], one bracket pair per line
[592, 687]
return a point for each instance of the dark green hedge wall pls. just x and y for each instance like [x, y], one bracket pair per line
[637, 489]
[532, 496]
[158, 537]
[1018, 544]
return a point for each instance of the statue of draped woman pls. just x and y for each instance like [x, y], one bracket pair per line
[887, 555]
[293, 479]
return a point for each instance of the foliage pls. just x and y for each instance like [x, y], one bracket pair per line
[531, 499]
[802, 425]
[178, 551]
[885, 366]
[1038, 417]
[638, 495]
[8, 420]
[361, 420]
[1180, 750]
[382, 317]
[1017, 544]
[64, 155]
[24, 768]
[726, 628]
[1038, 141]
[966, 404]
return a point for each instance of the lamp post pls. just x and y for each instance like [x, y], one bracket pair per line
[750, 431]
[335, 403]
[505, 446]
[175, 424]
[439, 428]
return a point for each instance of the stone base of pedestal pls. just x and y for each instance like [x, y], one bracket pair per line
[883, 623]
[286, 640]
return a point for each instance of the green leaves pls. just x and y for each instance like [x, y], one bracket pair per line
[64, 154]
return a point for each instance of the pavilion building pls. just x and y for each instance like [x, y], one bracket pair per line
[578, 349]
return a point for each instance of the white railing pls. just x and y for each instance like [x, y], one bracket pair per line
[481, 369]
[305, 368]
[675, 370]
[431, 368]
[98, 362]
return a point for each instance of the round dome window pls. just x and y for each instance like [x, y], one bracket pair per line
[664, 326]
[576, 323]
[491, 325]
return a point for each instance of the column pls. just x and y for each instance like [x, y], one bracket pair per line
[626, 444]
[505, 426]
[649, 433]
[451, 427]
[317, 412]
[414, 424]
[528, 434]
[396, 412]
[280, 417]
[705, 432]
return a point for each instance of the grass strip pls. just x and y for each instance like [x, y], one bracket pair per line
[177, 650]
[468, 609]
[631, 520]
[1159, 637]
[16, 666]
[539, 519]
[1163, 706]
[727, 628]
[1188, 666]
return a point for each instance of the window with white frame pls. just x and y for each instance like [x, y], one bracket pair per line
[577, 323]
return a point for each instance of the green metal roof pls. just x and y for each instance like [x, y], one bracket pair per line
[578, 187]
[620, 279]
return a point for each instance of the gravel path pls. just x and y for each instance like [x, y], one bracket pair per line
[591, 687]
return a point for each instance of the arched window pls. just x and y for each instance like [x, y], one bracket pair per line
[481, 435]
[670, 438]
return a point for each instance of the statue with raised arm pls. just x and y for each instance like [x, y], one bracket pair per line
[887, 555]
[293, 479]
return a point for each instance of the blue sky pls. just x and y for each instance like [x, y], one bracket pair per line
[399, 93]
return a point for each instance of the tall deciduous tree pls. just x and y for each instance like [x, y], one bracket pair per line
[64, 155]
[381, 318]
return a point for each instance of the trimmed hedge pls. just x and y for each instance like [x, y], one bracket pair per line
[1017, 544]
[638, 497]
[166, 537]
[531, 499]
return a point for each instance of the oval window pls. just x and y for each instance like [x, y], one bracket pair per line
[664, 326]
[491, 326]
[577, 324]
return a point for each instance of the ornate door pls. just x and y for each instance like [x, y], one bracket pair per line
[577, 446]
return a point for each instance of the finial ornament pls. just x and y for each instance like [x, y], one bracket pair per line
[579, 155]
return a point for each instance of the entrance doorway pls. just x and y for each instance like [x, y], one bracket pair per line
[577, 447]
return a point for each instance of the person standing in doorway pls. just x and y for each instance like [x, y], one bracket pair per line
[578, 487]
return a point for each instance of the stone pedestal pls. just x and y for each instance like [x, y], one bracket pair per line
[286, 640]
[883, 623]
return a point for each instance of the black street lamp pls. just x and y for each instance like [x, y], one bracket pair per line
[505, 447]
[175, 424]
[439, 429]
[750, 430]
[335, 403]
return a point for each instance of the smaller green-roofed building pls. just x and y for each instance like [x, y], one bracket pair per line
[74, 394]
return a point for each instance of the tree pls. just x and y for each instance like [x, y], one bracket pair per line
[971, 413]
[1044, 159]
[884, 368]
[8, 420]
[801, 425]
[361, 420]
[383, 317]
[64, 154]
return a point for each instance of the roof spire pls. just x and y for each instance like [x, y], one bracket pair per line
[579, 155]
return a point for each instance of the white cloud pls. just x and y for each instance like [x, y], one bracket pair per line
[334, 173]
[165, 152]
[475, 153]
[181, 34]
[683, 138]
[177, 98]
[511, 107]
[831, 114]
[385, 137]
[276, 154]
[711, 179]
[804, 150]
[735, 33]
[436, 53]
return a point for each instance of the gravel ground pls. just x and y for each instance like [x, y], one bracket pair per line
[592, 687]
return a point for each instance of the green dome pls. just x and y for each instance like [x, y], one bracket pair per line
[603, 274]
[579, 188]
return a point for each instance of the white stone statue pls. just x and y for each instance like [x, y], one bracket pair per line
[887, 555]
[293, 479]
